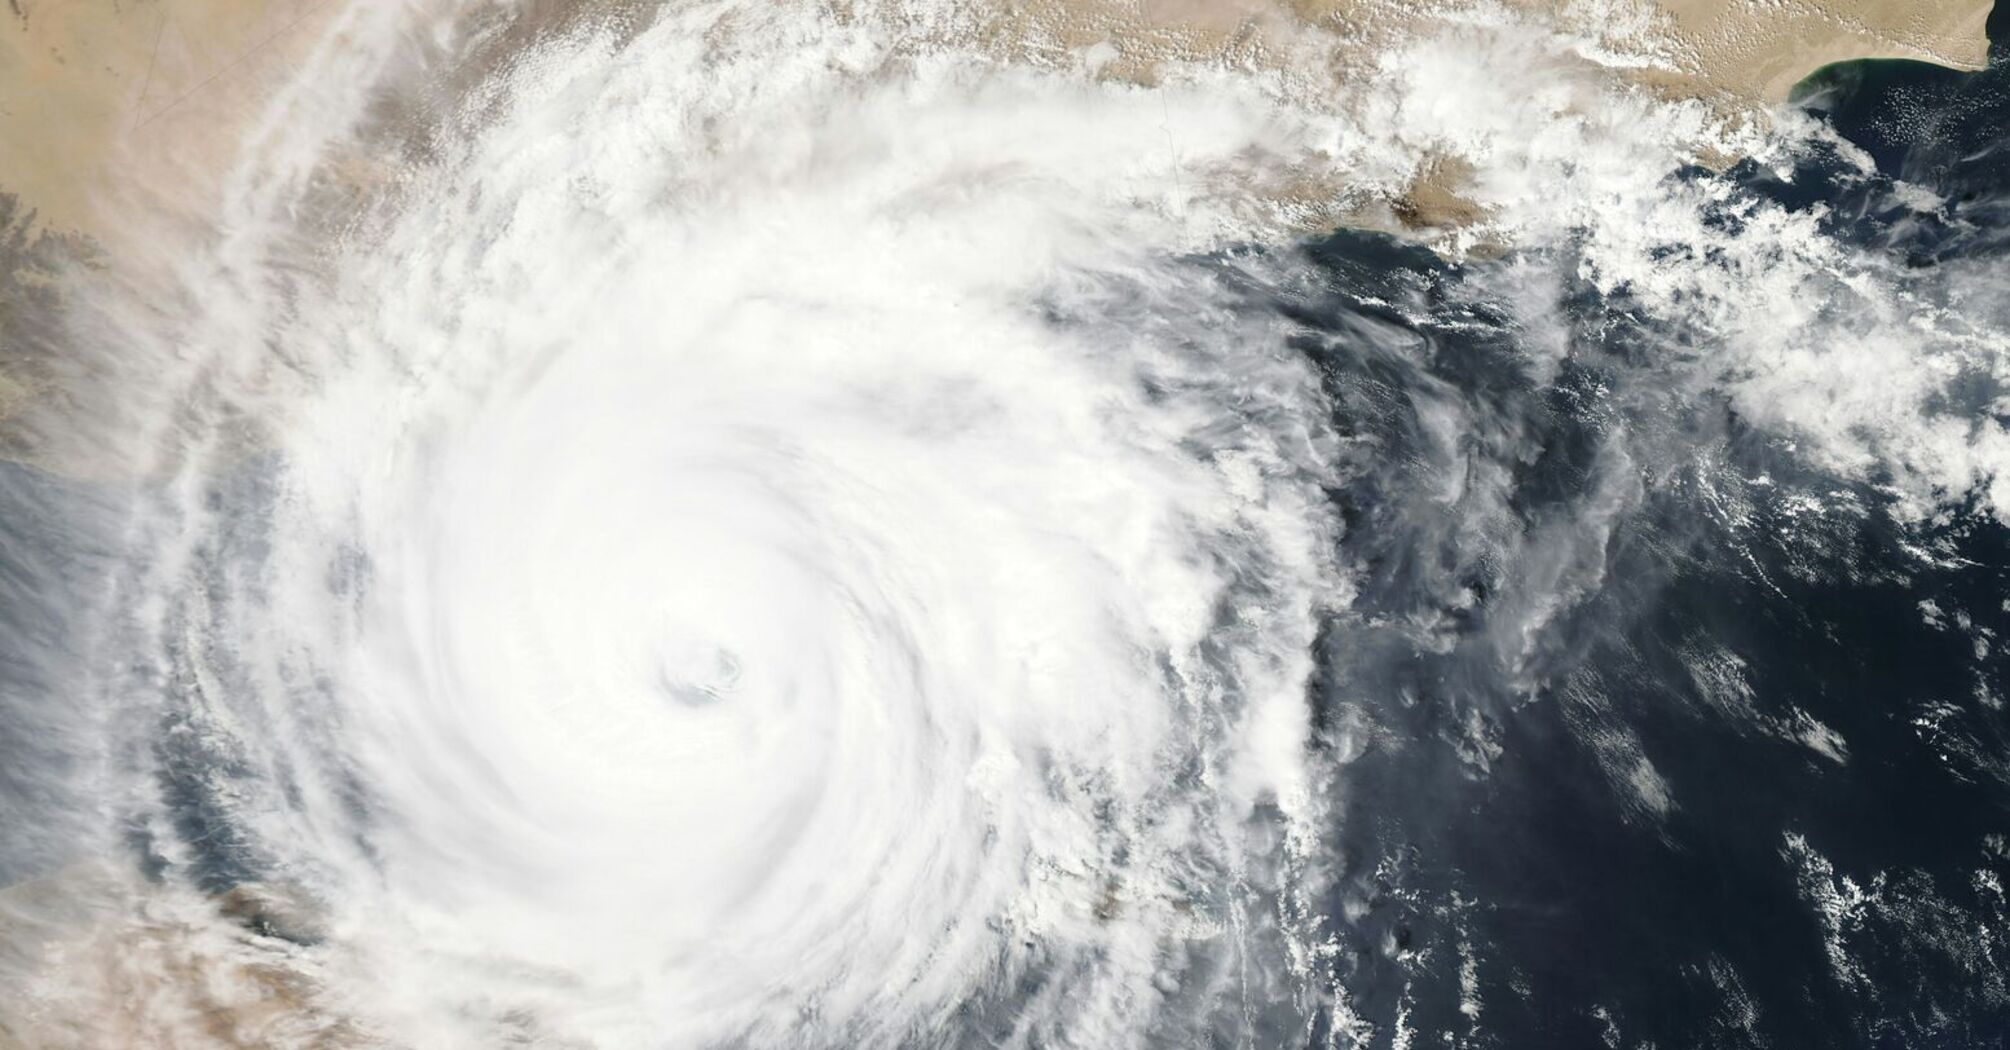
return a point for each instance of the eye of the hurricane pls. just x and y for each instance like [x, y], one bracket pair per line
[697, 673]
[614, 561]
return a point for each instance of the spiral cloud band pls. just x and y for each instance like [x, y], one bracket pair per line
[749, 548]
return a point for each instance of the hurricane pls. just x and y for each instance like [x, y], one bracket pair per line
[874, 525]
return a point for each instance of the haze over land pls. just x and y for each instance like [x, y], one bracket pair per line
[101, 95]
[121, 120]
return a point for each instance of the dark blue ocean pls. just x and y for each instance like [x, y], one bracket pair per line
[1751, 788]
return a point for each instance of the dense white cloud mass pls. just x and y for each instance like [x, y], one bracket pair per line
[768, 541]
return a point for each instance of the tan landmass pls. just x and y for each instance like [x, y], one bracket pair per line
[118, 119]
[93, 92]
[94, 956]
[1761, 50]
[1741, 55]
[98, 97]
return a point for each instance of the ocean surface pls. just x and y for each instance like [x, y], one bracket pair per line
[1750, 789]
